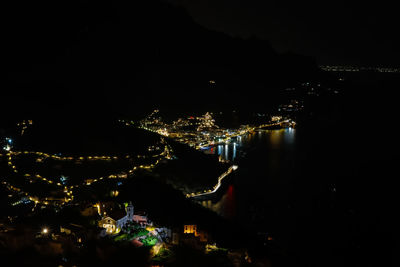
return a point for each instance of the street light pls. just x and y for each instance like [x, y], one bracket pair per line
[45, 230]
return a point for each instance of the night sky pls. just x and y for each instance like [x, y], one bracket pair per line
[119, 55]
[335, 32]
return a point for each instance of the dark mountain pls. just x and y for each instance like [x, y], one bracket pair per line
[117, 58]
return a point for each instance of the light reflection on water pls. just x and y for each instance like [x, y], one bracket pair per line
[266, 145]
[276, 138]
[234, 151]
[220, 148]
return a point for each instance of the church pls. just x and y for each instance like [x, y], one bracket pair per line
[116, 218]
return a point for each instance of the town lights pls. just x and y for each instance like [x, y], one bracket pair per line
[45, 230]
[156, 249]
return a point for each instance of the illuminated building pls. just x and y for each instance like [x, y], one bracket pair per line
[141, 219]
[190, 229]
[194, 237]
[116, 219]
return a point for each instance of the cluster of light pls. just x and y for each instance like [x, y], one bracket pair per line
[211, 247]
[285, 123]
[206, 122]
[357, 69]
[23, 200]
[163, 132]
[24, 125]
[152, 119]
[166, 153]
[156, 249]
[114, 193]
[182, 122]
[276, 118]
[207, 133]
[20, 191]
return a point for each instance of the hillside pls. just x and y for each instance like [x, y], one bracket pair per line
[114, 58]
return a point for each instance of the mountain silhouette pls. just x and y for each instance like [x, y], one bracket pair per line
[93, 56]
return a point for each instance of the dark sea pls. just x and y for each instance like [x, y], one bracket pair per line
[327, 191]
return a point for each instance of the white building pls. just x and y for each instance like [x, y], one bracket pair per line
[114, 221]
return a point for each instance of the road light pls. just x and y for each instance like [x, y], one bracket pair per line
[45, 230]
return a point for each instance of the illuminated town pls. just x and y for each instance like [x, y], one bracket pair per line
[33, 187]
[202, 132]
[61, 187]
[96, 185]
[360, 69]
[171, 133]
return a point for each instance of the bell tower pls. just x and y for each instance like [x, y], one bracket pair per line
[129, 211]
